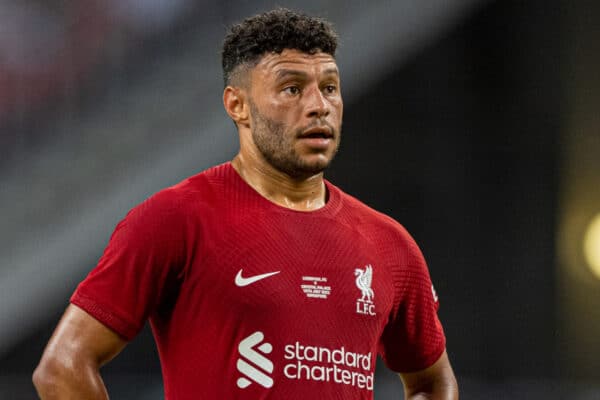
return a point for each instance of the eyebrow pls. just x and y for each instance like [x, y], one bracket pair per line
[284, 73]
[331, 71]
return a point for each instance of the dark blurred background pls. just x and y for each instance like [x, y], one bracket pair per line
[474, 123]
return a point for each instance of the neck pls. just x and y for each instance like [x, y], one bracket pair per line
[298, 194]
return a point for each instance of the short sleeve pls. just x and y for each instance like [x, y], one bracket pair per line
[414, 338]
[141, 267]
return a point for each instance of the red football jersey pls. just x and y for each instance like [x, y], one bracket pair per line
[251, 300]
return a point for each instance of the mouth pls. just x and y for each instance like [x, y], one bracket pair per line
[317, 133]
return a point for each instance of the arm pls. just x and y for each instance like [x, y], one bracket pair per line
[69, 368]
[436, 382]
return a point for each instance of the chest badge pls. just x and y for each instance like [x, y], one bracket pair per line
[364, 278]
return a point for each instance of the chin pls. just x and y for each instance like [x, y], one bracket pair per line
[301, 167]
[314, 167]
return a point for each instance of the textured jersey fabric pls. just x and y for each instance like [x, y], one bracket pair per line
[250, 300]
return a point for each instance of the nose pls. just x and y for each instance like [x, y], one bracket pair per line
[316, 103]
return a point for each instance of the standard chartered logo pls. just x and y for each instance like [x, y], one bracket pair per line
[322, 364]
[302, 362]
[250, 359]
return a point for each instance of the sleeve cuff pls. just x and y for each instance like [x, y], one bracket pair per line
[107, 317]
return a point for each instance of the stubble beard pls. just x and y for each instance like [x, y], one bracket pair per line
[277, 148]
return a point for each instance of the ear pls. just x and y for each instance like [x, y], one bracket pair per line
[234, 101]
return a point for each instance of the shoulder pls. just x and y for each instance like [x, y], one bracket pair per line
[187, 193]
[173, 206]
[387, 231]
[357, 212]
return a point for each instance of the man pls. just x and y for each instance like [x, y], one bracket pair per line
[260, 279]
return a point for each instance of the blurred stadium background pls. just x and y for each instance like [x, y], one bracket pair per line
[474, 123]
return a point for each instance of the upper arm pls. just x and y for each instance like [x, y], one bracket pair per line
[69, 368]
[435, 382]
[80, 339]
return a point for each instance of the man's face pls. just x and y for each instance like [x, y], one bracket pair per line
[296, 111]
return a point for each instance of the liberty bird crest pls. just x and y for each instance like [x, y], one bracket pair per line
[363, 282]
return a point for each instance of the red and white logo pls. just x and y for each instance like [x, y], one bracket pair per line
[434, 293]
[364, 278]
[303, 362]
[252, 364]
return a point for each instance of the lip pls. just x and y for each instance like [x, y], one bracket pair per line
[317, 142]
[318, 138]
[325, 131]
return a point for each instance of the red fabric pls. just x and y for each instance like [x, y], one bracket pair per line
[174, 259]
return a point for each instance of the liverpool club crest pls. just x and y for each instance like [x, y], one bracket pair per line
[364, 304]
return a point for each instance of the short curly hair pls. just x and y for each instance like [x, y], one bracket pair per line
[274, 31]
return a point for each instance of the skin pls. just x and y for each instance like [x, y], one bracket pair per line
[275, 105]
[278, 101]
[70, 366]
[436, 382]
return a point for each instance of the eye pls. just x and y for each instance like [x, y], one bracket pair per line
[330, 89]
[293, 90]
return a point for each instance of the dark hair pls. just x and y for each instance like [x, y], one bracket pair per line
[274, 31]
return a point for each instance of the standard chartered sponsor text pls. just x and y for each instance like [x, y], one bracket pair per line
[323, 364]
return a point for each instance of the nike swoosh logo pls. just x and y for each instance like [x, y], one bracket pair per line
[241, 281]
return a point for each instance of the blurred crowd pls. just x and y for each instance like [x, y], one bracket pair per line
[48, 47]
